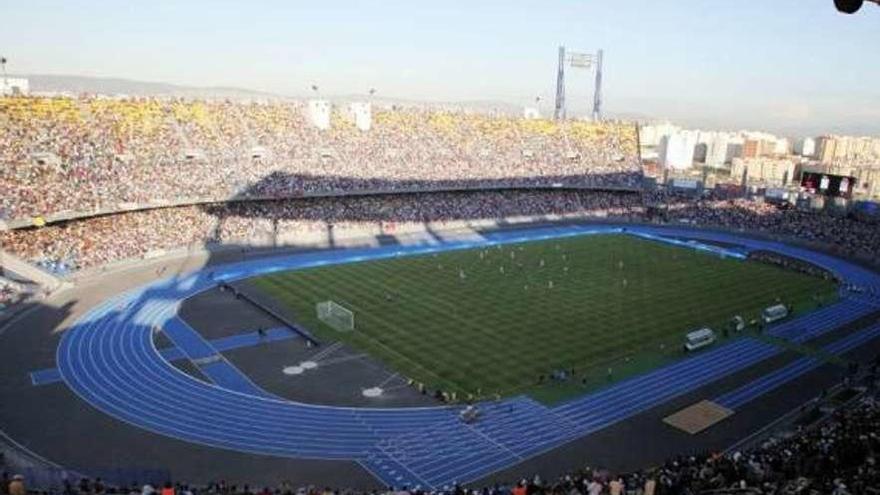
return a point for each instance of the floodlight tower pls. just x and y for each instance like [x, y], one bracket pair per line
[597, 88]
[579, 60]
[559, 112]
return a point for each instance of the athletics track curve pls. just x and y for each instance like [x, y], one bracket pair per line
[109, 359]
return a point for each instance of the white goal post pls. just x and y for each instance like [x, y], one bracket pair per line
[336, 315]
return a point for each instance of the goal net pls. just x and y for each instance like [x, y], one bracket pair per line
[336, 315]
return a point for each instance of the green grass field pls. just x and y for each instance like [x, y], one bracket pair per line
[491, 321]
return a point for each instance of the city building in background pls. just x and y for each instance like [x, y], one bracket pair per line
[831, 149]
[718, 148]
[777, 172]
[676, 151]
[805, 147]
[758, 144]
[760, 159]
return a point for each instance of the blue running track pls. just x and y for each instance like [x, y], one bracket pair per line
[109, 359]
[249, 339]
[750, 391]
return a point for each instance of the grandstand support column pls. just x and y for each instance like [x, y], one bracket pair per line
[559, 113]
[597, 89]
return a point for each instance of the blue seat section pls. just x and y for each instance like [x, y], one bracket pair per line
[108, 359]
[750, 391]
[635, 395]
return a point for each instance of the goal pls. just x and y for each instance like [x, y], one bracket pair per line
[336, 315]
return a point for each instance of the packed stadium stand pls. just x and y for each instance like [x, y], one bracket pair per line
[95, 241]
[73, 157]
[849, 236]
[82, 155]
[71, 245]
[98, 181]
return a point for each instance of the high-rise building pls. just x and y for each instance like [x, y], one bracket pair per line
[805, 147]
[751, 148]
[700, 152]
[734, 149]
[782, 147]
[757, 144]
[676, 151]
[767, 171]
[715, 148]
[826, 146]
[651, 134]
[832, 149]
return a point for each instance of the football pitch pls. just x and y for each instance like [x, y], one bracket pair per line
[502, 320]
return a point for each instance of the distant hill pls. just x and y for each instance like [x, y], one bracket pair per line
[111, 86]
[42, 83]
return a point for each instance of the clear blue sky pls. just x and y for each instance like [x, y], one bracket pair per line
[791, 66]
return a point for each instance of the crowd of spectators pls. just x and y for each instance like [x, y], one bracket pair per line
[85, 154]
[100, 240]
[849, 235]
[836, 457]
[68, 246]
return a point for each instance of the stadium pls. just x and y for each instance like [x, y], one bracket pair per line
[461, 327]
[307, 296]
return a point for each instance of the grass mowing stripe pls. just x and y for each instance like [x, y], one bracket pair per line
[493, 319]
